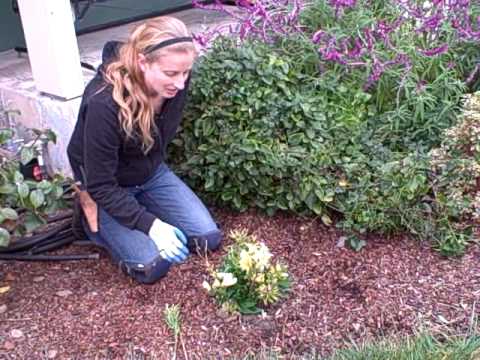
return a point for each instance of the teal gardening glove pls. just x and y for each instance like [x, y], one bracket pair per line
[170, 241]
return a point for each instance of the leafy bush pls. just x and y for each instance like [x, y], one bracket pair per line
[296, 125]
[247, 279]
[24, 203]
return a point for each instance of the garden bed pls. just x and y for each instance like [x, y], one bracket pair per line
[91, 310]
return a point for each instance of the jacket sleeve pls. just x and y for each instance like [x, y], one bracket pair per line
[101, 143]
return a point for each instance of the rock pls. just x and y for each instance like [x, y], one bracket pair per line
[8, 345]
[38, 279]
[341, 241]
[52, 354]
[3, 308]
[64, 293]
[16, 333]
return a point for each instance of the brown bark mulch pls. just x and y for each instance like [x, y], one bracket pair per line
[90, 310]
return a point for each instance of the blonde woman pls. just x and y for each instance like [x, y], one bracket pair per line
[145, 216]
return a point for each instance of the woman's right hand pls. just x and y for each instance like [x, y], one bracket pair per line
[170, 241]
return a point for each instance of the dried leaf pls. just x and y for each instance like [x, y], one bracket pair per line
[326, 220]
[4, 289]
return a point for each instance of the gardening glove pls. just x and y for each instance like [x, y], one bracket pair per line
[170, 241]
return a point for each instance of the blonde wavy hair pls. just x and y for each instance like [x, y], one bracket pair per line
[136, 115]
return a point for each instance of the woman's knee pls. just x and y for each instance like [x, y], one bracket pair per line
[146, 272]
[208, 241]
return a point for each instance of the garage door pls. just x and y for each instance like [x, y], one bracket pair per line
[95, 14]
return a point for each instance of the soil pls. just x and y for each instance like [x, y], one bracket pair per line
[90, 310]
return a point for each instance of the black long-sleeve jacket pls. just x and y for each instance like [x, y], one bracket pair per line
[105, 162]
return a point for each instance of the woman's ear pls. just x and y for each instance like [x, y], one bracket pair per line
[142, 62]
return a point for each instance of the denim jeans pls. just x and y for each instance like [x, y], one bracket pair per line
[168, 198]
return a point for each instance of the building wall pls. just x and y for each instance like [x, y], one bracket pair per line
[11, 33]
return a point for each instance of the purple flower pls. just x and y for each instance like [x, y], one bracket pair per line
[435, 51]
[420, 86]
[318, 36]
[432, 23]
[343, 3]
[331, 55]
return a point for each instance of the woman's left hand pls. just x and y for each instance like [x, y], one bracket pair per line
[170, 241]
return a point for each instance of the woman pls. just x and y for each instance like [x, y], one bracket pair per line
[147, 217]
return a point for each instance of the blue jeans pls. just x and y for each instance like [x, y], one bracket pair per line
[168, 198]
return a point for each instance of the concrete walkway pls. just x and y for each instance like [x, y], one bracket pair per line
[17, 88]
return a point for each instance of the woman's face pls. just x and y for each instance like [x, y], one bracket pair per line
[167, 75]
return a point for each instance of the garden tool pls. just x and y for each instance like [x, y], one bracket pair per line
[89, 208]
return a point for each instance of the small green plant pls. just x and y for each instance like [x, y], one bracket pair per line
[248, 279]
[172, 318]
[24, 203]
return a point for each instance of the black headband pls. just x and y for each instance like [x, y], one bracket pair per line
[165, 43]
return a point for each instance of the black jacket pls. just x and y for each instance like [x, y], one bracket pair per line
[105, 162]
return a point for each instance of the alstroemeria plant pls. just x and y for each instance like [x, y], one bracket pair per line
[247, 279]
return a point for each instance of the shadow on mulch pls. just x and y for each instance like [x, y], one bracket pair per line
[89, 309]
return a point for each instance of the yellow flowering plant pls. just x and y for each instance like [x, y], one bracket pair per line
[247, 279]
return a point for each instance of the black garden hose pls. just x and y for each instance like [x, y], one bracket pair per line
[53, 246]
[26, 243]
[54, 240]
[48, 257]
[30, 248]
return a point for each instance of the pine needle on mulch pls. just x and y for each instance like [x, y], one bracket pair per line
[89, 309]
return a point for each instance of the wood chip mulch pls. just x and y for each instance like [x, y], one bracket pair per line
[90, 310]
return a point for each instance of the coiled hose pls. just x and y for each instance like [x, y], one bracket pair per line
[32, 248]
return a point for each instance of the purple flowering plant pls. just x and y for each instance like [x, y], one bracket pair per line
[369, 34]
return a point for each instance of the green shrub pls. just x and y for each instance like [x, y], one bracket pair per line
[274, 126]
[24, 203]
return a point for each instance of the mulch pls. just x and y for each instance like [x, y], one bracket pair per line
[90, 310]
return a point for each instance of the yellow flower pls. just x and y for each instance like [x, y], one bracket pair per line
[260, 278]
[216, 284]
[246, 261]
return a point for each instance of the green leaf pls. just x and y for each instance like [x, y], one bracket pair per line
[7, 189]
[37, 198]
[17, 177]
[26, 155]
[5, 135]
[32, 221]
[45, 186]
[209, 183]
[4, 237]
[9, 213]
[356, 243]
[22, 190]
[51, 136]
[58, 191]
